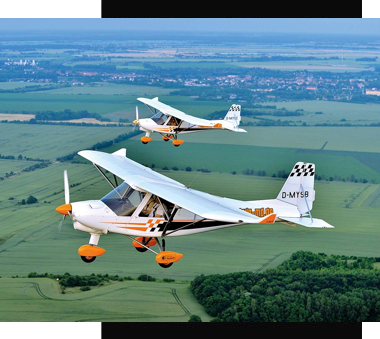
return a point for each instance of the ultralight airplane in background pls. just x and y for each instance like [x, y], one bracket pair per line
[149, 207]
[170, 122]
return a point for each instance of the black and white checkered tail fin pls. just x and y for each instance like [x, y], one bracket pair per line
[299, 187]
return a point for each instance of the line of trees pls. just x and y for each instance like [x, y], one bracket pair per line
[308, 287]
[102, 144]
[68, 114]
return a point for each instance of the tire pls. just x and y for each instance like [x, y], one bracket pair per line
[141, 249]
[88, 259]
[166, 265]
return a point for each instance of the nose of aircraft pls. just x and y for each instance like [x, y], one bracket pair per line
[64, 209]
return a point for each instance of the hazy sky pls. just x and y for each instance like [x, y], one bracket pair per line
[349, 26]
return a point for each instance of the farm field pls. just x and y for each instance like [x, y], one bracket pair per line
[111, 101]
[353, 139]
[52, 141]
[39, 300]
[30, 240]
[333, 112]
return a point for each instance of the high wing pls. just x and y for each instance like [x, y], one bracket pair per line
[168, 110]
[143, 178]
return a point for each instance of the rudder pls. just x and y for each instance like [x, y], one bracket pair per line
[298, 189]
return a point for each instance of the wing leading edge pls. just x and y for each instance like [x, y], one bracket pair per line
[143, 178]
[168, 110]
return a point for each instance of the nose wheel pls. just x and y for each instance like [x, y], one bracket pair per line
[145, 140]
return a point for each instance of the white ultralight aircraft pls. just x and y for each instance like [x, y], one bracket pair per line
[170, 122]
[149, 207]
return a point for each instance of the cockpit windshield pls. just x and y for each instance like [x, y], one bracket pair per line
[159, 118]
[123, 200]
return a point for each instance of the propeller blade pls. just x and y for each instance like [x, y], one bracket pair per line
[66, 185]
[136, 122]
[60, 224]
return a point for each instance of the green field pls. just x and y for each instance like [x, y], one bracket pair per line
[39, 300]
[333, 112]
[30, 241]
[51, 141]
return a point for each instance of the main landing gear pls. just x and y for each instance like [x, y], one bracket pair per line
[176, 142]
[164, 258]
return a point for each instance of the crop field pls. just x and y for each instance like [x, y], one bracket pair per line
[111, 101]
[332, 112]
[39, 299]
[30, 241]
[52, 141]
[29, 237]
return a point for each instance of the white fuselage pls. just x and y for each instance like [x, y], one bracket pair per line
[95, 217]
[148, 125]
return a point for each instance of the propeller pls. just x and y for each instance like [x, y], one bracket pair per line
[66, 208]
[136, 122]
[66, 185]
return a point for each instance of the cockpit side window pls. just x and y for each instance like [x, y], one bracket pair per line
[153, 208]
[159, 118]
[123, 200]
[173, 122]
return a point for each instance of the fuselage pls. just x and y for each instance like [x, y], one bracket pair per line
[149, 125]
[101, 217]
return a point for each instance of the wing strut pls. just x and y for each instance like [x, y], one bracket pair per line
[170, 219]
[175, 209]
[307, 205]
[108, 180]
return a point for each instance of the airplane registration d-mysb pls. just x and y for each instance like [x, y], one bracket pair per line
[170, 122]
[149, 207]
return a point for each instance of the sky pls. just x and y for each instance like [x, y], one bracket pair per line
[259, 25]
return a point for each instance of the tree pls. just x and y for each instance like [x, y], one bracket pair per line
[31, 200]
[195, 319]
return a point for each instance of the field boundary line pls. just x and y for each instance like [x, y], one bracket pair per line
[174, 292]
[269, 262]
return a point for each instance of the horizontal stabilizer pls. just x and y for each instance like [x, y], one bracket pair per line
[232, 128]
[308, 222]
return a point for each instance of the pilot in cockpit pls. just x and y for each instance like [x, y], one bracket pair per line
[153, 208]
